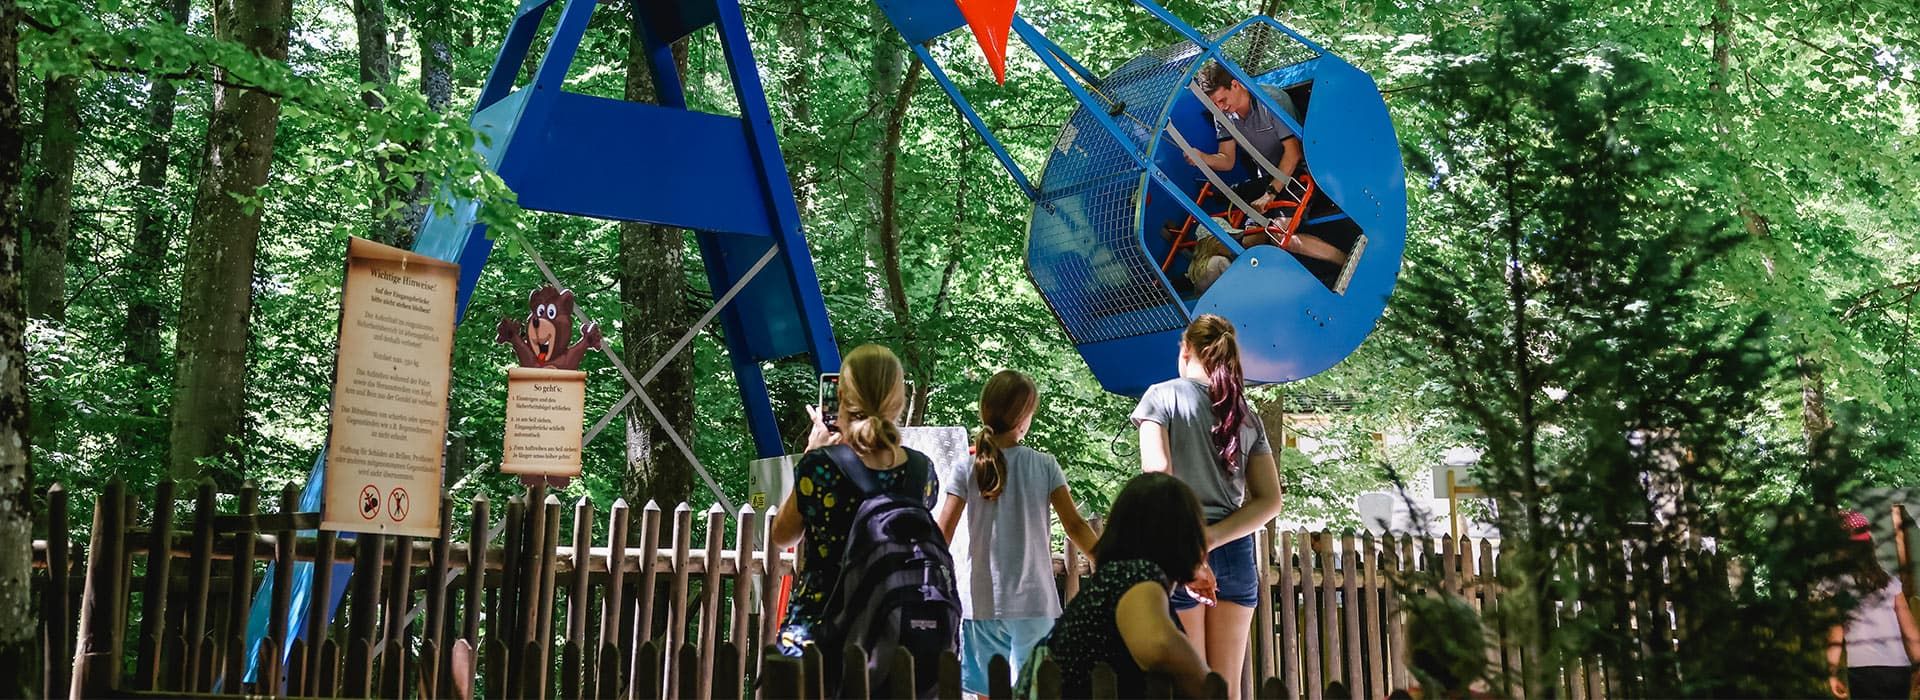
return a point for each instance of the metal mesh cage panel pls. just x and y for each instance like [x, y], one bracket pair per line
[1084, 244]
[1085, 255]
[1261, 48]
[1084, 247]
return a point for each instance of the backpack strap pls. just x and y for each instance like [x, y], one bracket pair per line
[863, 477]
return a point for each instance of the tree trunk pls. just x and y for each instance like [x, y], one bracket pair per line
[140, 434]
[376, 73]
[50, 201]
[796, 88]
[436, 83]
[16, 472]
[889, 231]
[1813, 386]
[209, 386]
[653, 287]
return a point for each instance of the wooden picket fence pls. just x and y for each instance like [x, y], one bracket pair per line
[156, 603]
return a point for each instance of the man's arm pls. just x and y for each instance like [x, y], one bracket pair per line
[1222, 161]
[1290, 156]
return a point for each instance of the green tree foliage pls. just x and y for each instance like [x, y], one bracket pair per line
[1622, 408]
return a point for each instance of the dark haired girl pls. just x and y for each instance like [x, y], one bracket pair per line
[1880, 640]
[1199, 428]
[1154, 542]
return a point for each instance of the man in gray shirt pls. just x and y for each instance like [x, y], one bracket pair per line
[1270, 134]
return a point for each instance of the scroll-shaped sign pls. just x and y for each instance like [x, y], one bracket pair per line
[545, 411]
[546, 394]
[390, 382]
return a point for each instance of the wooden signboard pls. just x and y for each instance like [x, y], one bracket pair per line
[546, 409]
[390, 382]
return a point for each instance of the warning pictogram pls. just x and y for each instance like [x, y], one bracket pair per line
[369, 502]
[397, 504]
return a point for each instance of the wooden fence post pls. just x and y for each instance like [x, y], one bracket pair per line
[362, 616]
[240, 589]
[543, 621]
[744, 531]
[1350, 614]
[854, 681]
[999, 678]
[1263, 635]
[1311, 660]
[153, 602]
[434, 665]
[612, 602]
[1375, 625]
[95, 667]
[643, 615]
[57, 661]
[780, 677]
[769, 583]
[281, 604]
[319, 607]
[677, 613]
[1289, 665]
[578, 599]
[710, 599]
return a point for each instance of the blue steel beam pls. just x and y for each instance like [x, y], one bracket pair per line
[1031, 36]
[803, 281]
[965, 108]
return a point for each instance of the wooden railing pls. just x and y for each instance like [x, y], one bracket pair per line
[156, 602]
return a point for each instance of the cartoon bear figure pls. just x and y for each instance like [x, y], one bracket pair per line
[549, 329]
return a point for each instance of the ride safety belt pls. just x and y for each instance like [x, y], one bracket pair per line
[1253, 213]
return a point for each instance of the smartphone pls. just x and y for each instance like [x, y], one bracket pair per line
[830, 400]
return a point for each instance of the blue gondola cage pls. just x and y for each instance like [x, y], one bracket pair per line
[1114, 178]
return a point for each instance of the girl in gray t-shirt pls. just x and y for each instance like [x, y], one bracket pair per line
[1200, 428]
[1007, 597]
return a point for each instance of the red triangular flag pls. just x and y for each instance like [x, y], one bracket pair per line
[991, 20]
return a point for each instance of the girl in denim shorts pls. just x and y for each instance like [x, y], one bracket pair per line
[1200, 428]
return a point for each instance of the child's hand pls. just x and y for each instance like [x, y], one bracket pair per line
[1203, 587]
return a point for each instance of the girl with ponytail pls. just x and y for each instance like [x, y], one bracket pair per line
[1007, 600]
[1199, 428]
[824, 500]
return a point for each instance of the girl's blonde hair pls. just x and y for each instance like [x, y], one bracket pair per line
[873, 394]
[1008, 398]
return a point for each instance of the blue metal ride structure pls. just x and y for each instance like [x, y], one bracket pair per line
[589, 156]
[1114, 178]
[1111, 179]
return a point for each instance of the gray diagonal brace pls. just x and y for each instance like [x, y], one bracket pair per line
[1186, 148]
[681, 344]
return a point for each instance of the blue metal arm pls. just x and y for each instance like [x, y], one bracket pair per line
[1036, 42]
[973, 119]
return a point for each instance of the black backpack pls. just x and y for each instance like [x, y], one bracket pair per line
[895, 593]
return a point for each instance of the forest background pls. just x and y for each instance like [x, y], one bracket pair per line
[182, 327]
